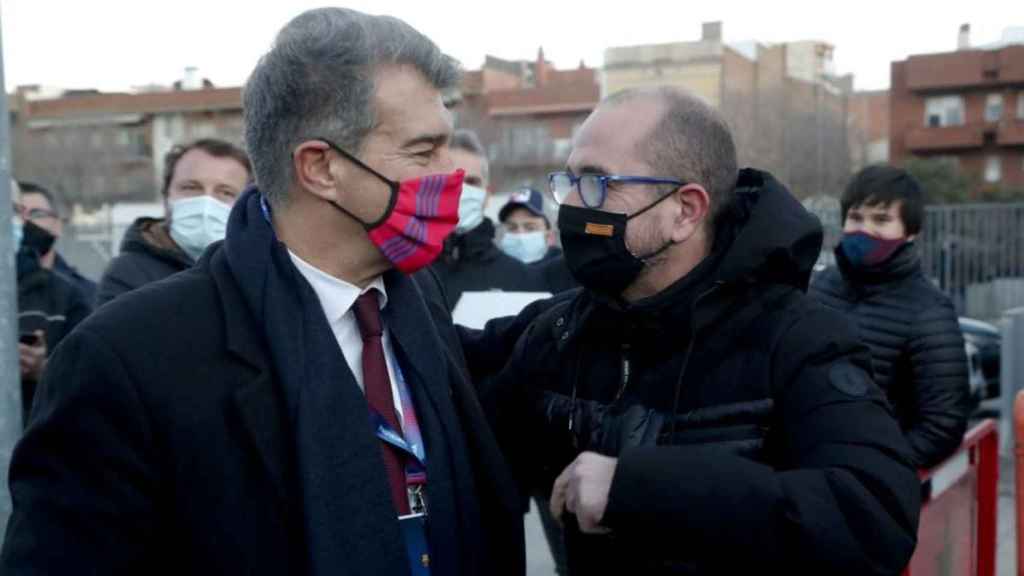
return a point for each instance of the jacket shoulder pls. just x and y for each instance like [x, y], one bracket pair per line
[183, 306]
[828, 280]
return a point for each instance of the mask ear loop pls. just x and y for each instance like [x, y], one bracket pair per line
[392, 186]
[666, 246]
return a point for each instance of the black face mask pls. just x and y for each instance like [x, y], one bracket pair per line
[37, 239]
[594, 243]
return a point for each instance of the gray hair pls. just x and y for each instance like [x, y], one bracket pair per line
[468, 141]
[318, 81]
[691, 142]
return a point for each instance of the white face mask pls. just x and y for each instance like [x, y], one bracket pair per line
[198, 222]
[527, 247]
[471, 208]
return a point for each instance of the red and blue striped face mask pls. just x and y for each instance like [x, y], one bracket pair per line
[864, 250]
[421, 213]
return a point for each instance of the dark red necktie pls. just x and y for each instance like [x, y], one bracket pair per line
[377, 386]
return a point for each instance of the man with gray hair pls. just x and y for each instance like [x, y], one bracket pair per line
[691, 411]
[471, 261]
[290, 404]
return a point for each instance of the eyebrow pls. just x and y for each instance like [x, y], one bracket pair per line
[432, 139]
[593, 169]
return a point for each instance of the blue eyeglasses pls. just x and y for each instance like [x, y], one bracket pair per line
[593, 188]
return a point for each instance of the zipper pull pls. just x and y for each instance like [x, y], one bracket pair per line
[625, 372]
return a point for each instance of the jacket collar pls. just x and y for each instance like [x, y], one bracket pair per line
[904, 263]
[476, 244]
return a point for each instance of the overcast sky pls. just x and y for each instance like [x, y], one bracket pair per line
[115, 45]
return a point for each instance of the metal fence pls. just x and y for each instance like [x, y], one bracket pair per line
[975, 253]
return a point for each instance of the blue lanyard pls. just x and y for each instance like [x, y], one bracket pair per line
[411, 443]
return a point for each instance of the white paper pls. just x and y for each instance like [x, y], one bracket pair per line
[474, 309]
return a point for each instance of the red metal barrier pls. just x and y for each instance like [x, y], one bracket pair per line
[957, 531]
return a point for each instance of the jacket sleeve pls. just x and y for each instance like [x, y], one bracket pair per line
[488, 350]
[81, 479]
[841, 499]
[940, 390]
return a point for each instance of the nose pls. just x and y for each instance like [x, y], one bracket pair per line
[444, 160]
[574, 198]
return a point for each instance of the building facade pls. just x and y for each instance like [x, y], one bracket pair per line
[95, 148]
[965, 106]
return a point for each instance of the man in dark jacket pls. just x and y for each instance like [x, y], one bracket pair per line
[690, 408]
[917, 350]
[49, 304]
[40, 206]
[471, 261]
[201, 182]
[289, 405]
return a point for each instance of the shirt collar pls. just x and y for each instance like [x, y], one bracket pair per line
[336, 295]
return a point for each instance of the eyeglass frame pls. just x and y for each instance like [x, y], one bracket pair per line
[604, 179]
[20, 210]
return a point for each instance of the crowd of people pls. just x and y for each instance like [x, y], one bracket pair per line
[268, 379]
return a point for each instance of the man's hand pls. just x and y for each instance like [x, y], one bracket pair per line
[32, 359]
[582, 489]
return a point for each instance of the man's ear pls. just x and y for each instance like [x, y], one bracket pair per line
[693, 206]
[314, 171]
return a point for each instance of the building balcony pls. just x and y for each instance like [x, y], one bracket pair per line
[1011, 133]
[945, 138]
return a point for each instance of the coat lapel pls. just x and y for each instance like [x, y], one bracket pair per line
[259, 404]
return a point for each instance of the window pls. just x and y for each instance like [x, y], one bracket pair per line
[96, 139]
[203, 130]
[1020, 105]
[944, 111]
[993, 169]
[993, 107]
[124, 139]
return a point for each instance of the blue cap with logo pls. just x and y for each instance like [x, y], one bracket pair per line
[527, 198]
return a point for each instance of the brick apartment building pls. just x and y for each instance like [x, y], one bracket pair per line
[526, 113]
[966, 106]
[94, 147]
[869, 127]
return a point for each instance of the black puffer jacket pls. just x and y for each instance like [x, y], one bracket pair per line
[917, 349]
[471, 262]
[147, 254]
[748, 432]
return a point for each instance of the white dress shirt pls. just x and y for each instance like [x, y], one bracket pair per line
[337, 298]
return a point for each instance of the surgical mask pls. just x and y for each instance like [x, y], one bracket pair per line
[527, 247]
[471, 208]
[595, 251]
[198, 222]
[421, 213]
[863, 250]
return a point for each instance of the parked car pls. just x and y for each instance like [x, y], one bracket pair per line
[983, 343]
